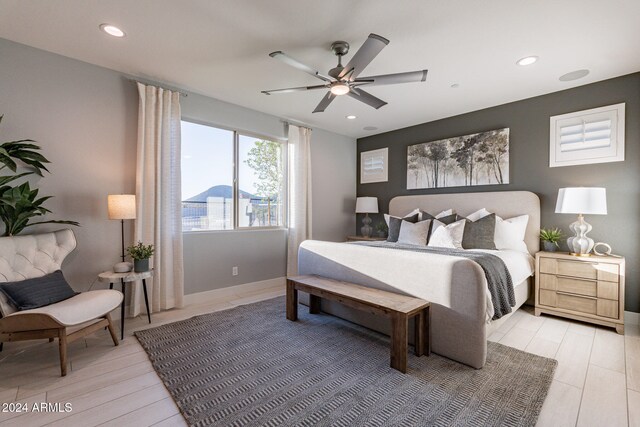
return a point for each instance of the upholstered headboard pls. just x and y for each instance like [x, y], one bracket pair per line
[505, 204]
[29, 256]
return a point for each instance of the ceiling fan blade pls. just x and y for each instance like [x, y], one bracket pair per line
[392, 79]
[294, 89]
[299, 65]
[367, 98]
[369, 50]
[325, 102]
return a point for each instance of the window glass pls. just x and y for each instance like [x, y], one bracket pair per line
[260, 182]
[207, 178]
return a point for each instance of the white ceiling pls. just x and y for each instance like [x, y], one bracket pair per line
[220, 49]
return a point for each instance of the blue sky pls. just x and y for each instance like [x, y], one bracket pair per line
[207, 159]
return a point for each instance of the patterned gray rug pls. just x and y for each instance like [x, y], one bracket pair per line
[250, 366]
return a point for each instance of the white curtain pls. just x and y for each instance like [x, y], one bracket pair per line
[299, 157]
[158, 197]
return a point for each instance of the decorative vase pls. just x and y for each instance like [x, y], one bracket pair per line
[549, 246]
[140, 265]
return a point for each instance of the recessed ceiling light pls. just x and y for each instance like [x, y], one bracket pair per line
[370, 128]
[527, 60]
[351, 117]
[455, 85]
[574, 75]
[112, 30]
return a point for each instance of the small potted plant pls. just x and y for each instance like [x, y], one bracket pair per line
[140, 254]
[382, 229]
[550, 238]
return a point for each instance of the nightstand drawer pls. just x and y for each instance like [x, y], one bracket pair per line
[607, 308]
[580, 269]
[575, 303]
[568, 284]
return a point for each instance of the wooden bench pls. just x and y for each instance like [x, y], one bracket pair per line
[399, 308]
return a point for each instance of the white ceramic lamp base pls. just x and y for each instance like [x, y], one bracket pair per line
[580, 244]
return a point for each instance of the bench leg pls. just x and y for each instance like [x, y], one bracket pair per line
[399, 326]
[314, 304]
[292, 301]
[427, 330]
[419, 333]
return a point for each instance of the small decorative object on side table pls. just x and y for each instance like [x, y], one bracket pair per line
[140, 254]
[590, 289]
[124, 278]
[365, 239]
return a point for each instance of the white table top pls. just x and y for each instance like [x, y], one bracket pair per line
[131, 276]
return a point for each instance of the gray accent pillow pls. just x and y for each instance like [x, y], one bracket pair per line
[480, 234]
[395, 223]
[449, 219]
[38, 292]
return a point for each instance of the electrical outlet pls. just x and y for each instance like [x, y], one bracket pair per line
[234, 271]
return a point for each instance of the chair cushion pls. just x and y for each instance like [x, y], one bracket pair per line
[81, 308]
[37, 292]
[32, 255]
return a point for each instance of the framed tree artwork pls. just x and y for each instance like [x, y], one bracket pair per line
[476, 159]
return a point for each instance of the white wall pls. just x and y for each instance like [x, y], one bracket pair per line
[85, 119]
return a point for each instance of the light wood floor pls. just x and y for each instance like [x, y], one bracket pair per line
[597, 382]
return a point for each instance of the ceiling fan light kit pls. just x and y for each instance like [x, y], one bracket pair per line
[344, 80]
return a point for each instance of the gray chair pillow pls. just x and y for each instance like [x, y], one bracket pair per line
[480, 234]
[37, 292]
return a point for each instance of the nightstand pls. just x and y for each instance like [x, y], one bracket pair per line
[590, 289]
[365, 239]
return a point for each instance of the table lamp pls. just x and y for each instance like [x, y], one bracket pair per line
[122, 206]
[581, 200]
[366, 205]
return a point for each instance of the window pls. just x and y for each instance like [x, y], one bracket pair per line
[586, 137]
[210, 200]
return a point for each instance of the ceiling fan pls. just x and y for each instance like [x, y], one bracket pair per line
[344, 80]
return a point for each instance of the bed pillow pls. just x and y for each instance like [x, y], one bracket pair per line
[393, 222]
[447, 236]
[510, 233]
[422, 215]
[480, 234]
[448, 212]
[414, 233]
[480, 213]
[37, 292]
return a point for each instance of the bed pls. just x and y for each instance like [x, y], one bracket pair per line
[456, 287]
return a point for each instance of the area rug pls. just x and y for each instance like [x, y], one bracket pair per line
[251, 366]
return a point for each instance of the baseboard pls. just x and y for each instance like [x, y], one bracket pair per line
[237, 290]
[631, 318]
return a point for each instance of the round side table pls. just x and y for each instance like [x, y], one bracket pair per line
[123, 278]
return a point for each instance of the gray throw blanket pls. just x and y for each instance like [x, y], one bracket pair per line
[498, 277]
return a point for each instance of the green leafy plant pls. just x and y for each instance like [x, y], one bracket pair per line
[382, 227]
[20, 204]
[552, 235]
[140, 251]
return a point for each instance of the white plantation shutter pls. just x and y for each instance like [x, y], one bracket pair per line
[585, 137]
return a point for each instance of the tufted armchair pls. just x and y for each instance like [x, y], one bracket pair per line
[29, 256]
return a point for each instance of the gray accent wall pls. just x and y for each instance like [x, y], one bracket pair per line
[528, 121]
[85, 118]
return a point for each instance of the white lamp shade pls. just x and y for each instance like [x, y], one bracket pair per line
[367, 205]
[582, 200]
[121, 206]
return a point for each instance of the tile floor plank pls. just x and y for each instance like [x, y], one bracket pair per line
[604, 401]
[561, 407]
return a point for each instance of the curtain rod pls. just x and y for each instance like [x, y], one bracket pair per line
[299, 124]
[161, 87]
